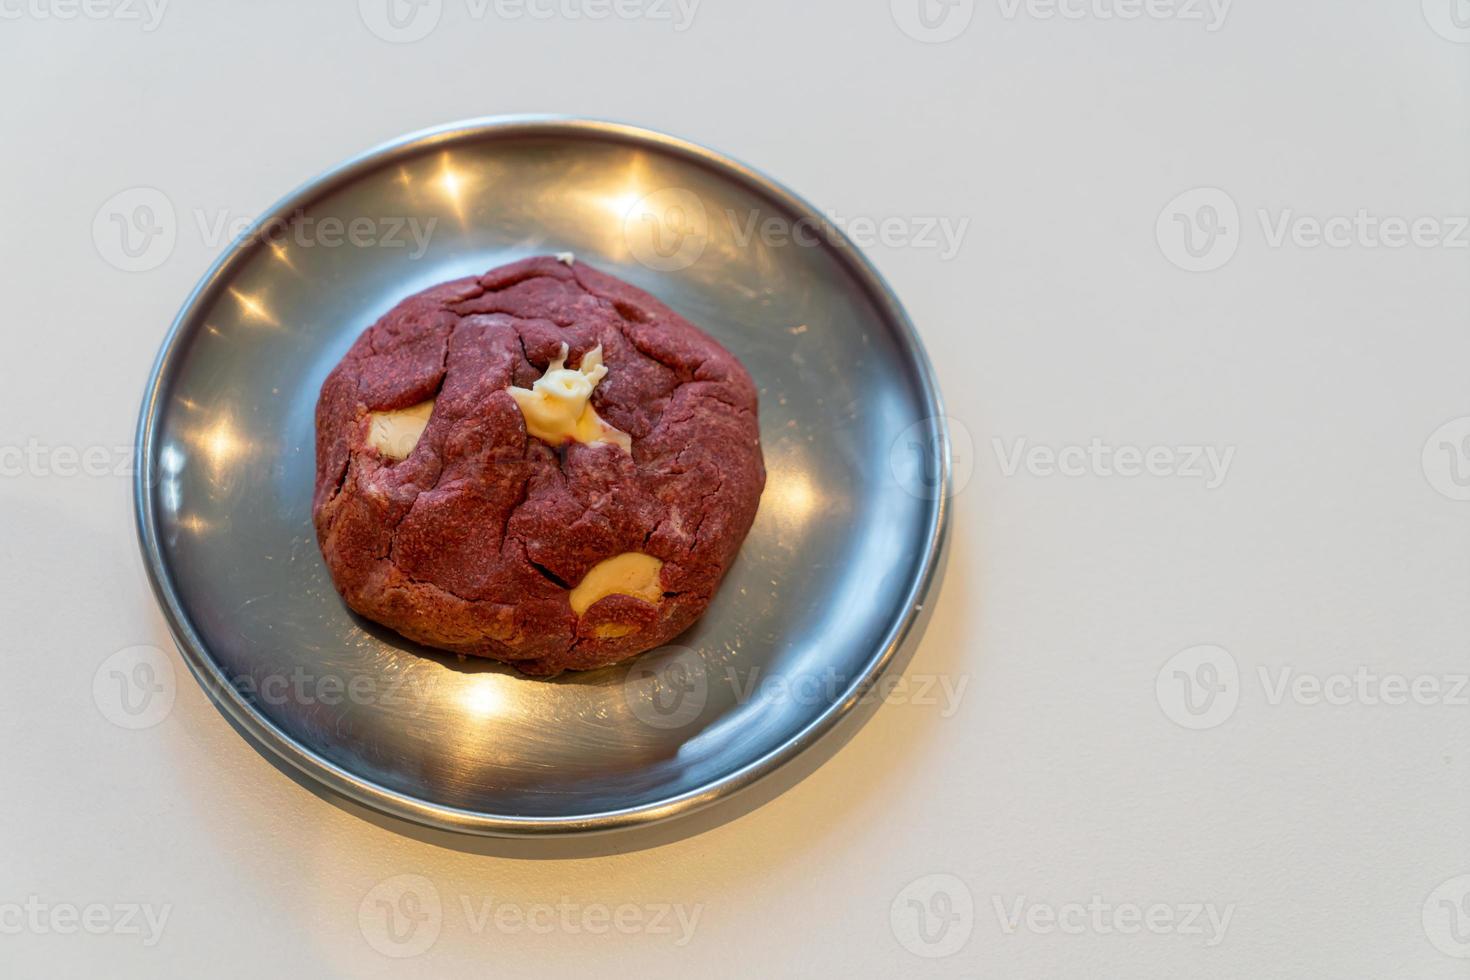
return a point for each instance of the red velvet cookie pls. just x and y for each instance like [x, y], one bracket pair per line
[471, 495]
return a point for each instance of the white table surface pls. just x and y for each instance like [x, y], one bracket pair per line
[1332, 835]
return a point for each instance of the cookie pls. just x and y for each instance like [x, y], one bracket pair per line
[542, 465]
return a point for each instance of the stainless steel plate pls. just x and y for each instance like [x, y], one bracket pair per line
[824, 594]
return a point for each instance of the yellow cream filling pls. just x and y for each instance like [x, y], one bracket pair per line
[631, 573]
[557, 407]
[394, 434]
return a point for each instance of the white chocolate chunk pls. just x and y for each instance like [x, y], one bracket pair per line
[557, 407]
[566, 258]
[394, 434]
[631, 573]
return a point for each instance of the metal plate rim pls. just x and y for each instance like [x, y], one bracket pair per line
[453, 819]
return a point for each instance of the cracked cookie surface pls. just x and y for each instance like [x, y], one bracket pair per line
[475, 539]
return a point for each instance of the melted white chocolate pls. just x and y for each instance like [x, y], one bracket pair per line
[557, 407]
[631, 573]
[394, 434]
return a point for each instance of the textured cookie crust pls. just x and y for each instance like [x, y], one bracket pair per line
[473, 542]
